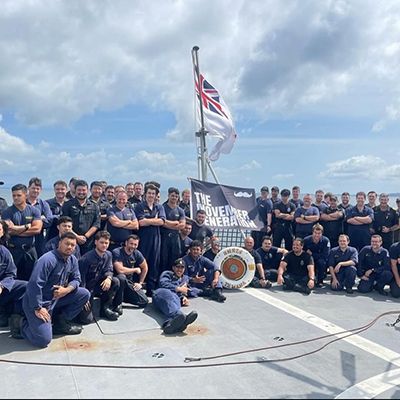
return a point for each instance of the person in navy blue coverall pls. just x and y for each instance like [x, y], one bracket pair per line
[53, 295]
[11, 289]
[374, 267]
[173, 293]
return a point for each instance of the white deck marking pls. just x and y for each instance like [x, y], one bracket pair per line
[372, 387]
[364, 344]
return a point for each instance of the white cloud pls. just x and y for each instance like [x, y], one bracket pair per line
[282, 177]
[72, 58]
[18, 158]
[11, 146]
[364, 167]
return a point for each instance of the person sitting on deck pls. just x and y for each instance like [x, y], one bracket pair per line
[97, 276]
[296, 270]
[203, 274]
[271, 257]
[172, 294]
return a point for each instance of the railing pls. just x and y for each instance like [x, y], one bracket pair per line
[231, 237]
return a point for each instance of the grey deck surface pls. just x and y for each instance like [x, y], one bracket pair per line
[242, 322]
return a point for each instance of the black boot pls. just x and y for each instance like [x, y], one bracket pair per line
[62, 326]
[118, 309]
[206, 292]
[85, 317]
[189, 319]
[109, 314]
[15, 326]
[175, 324]
[301, 288]
[217, 295]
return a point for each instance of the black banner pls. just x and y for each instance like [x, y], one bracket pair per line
[225, 206]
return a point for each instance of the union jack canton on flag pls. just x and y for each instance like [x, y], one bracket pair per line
[217, 118]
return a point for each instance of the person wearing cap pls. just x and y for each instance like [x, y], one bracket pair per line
[214, 249]
[203, 274]
[275, 194]
[174, 222]
[24, 222]
[264, 207]
[283, 216]
[173, 292]
[3, 202]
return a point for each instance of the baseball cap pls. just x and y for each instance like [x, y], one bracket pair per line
[275, 188]
[285, 192]
[179, 263]
[264, 189]
[1, 183]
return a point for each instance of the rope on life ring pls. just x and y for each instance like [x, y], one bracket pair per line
[237, 267]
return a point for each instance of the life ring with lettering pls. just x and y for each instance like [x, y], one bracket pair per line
[237, 267]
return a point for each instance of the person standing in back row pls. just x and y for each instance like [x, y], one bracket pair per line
[151, 217]
[85, 215]
[24, 223]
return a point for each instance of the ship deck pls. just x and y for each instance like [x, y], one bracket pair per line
[132, 358]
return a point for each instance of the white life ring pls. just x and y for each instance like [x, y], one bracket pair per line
[237, 267]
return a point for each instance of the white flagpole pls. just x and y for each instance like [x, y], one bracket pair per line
[202, 156]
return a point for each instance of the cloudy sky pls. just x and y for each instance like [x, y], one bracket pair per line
[104, 90]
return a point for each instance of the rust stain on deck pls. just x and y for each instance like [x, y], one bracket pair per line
[196, 330]
[73, 345]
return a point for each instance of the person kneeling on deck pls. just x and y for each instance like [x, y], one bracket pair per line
[296, 270]
[131, 268]
[96, 270]
[342, 263]
[203, 274]
[259, 280]
[53, 295]
[374, 267]
[11, 289]
[172, 293]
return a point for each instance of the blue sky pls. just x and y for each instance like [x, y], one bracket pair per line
[104, 90]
